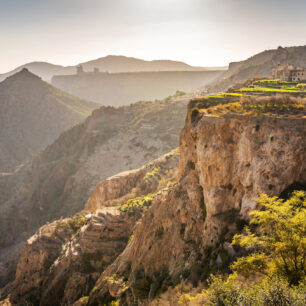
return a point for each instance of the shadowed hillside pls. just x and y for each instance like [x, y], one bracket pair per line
[32, 114]
[60, 179]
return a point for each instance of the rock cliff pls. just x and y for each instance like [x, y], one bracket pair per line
[225, 162]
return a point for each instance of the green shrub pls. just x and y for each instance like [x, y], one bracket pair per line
[137, 203]
[280, 236]
[274, 273]
[269, 292]
[256, 262]
[222, 292]
[77, 222]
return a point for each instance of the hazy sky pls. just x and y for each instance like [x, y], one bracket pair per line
[199, 32]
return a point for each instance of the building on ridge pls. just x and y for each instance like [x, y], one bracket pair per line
[289, 73]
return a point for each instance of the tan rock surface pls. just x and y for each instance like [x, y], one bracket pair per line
[225, 162]
[62, 261]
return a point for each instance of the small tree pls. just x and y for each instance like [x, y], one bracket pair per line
[279, 239]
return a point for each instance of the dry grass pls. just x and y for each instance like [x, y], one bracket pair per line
[280, 105]
[273, 101]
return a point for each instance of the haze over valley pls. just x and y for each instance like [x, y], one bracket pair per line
[175, 175]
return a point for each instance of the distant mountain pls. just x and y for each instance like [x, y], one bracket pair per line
[32, 114]
[113, 63]
[41, 69]
[260, 64]
[110, 63]
[117, 89]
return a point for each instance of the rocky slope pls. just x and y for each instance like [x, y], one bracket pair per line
[59, 181]
[225, 162]
[260, 64]
[32, 115]
[62, 261]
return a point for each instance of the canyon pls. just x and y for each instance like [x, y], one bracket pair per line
[185, 230]
[59, 180]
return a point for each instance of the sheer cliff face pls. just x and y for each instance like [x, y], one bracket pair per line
[225, 162]
[236, 157]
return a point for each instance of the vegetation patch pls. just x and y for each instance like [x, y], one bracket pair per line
[255, 97]
[139, 203]
[75, 223]
[153, 173]
[273, 273]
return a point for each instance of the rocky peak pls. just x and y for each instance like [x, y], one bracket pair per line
[32, 114]
[22, 78]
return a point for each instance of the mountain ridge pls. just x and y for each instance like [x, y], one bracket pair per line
[259, 65]
[47, 70]
[32, 114]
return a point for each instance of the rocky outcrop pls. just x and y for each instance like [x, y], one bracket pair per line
[59, 181]
[63, 260]
[225, 162]
[147, 179]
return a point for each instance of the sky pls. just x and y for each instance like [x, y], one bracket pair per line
[199, 32]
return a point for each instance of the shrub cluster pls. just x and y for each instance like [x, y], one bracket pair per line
[274, 271]
[270, 292]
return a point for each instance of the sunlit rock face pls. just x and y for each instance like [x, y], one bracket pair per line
[225, 163]
[61, 262]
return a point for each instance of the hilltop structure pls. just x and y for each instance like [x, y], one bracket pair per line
[80, 70]
[289, 73]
